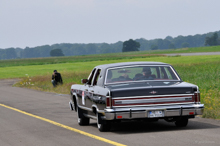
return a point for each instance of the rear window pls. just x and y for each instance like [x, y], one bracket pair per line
[140, 73]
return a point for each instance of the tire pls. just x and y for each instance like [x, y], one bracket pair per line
[82, 120]
[182, 122]
[75, 104]
[102, 125]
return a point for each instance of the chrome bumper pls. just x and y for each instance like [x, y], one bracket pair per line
[143, 112]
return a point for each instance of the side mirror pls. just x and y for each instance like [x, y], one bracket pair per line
[84, 81]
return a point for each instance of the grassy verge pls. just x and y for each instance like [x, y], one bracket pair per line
[207, 76]
[203, 71]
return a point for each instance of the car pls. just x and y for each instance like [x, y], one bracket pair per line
[134, 91]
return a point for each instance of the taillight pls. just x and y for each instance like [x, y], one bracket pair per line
[197, 97]
[108, 102]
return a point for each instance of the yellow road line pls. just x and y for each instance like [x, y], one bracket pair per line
[66, 127]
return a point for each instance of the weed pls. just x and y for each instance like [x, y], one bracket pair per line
[211, 99]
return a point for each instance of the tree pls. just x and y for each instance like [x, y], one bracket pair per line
[90, 48]
[212, 41]
[154, 47]
[10, 53]
[56, 52]
[106, 48]
[172, 46]
[185, 45]
[130, 45]
[169, 38]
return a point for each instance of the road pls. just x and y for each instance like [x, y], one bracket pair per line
[29, 117]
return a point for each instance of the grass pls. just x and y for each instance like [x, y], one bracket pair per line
[206, 75]
[34, 70]
[74, 59]
[103, 57]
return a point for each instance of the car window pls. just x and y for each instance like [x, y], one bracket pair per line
[140, 73]
[91, 76]
[170, 73]
[96, 77]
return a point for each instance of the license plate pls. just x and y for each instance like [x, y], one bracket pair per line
[152, 114]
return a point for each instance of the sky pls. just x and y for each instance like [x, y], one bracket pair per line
[31, 23]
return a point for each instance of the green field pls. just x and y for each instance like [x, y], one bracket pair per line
[203, 71]
[33, 70]
[103, 57]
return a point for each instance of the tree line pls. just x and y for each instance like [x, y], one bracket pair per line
[68, 49]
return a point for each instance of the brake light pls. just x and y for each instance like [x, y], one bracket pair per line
[197, 97]
[119, 117]
[108, 102]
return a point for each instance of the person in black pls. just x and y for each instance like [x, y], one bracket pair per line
[147, 74]
[56, 78]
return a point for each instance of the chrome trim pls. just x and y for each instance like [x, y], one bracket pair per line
[74, 93]
[90, 109]
[85, 108]
[142, 112]
[110, 101]
[95, 106]
[109, 116]
[157, 87]
[101, 111]
[174, 72]
[89, 116]
[143, 81]
[109, 110]
[155, 96]
[135, 101]
[153, 104]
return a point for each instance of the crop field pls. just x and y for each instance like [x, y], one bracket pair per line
[203, 71]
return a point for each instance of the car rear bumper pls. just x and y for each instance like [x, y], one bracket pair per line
[143, 112]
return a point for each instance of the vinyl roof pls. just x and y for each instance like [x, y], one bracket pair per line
[129, 63]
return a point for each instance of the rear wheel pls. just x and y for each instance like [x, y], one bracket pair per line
[182, 122]
[103, 125]
[82, 120]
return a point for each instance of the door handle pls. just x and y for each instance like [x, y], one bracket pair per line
[86, 89]
[92, 90]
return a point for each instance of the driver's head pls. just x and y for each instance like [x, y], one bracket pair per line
[146, 71]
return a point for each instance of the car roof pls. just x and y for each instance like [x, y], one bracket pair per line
[130, 63]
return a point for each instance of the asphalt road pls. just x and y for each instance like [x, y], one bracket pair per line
[33, 118]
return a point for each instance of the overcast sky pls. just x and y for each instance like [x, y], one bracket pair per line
[30, 23]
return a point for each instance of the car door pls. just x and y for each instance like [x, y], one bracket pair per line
[99, 92]
[87, 91]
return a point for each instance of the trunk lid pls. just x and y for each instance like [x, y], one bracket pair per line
[149, 93]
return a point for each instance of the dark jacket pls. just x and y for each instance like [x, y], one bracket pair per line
[57, 77]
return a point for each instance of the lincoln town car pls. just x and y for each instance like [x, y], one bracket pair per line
[134, 91]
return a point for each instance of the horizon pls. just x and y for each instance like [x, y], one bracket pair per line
[104, 42]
